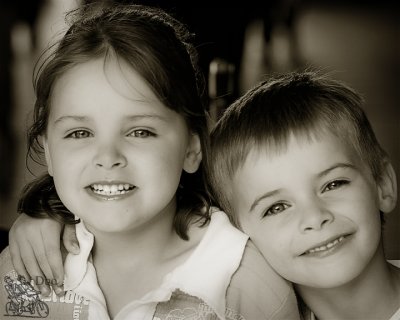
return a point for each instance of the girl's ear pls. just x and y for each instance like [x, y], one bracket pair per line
[47, 155]
[387, 188]
[193, 155]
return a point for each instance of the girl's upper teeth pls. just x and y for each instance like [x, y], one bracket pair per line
[326, 246]
[111, 189]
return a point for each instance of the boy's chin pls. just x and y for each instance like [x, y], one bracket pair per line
[330, 279]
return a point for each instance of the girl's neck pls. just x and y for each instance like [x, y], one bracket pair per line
[375, 294]
[132, 263]
[129, 247]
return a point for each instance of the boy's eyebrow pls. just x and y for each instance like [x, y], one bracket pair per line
[321, 174]
[336, 166]
[261, 197]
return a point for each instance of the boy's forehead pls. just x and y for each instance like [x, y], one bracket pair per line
[271, 149]
[322, 150]
[270, 171]
[258, 155]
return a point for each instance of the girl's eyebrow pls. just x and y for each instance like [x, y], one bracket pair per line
[146, 116]
[129, 118]
[75, 118]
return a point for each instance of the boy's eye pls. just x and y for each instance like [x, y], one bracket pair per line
[335, 185]
[276, 208]
[141, 133]
[79, 134]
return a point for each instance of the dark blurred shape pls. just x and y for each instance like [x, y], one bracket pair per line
[220, 29]
[3, 239]
[11, 12]
[221, 77]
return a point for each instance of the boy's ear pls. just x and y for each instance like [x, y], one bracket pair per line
[387, 188]
[47, 155]
[193, 155]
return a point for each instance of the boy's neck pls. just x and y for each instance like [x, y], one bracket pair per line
[375, 294]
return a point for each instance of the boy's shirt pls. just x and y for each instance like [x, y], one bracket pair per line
[225, 278]
[307, 314]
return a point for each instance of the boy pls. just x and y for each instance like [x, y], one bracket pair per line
[297, 166]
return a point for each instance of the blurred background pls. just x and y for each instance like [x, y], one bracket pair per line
[355, 41]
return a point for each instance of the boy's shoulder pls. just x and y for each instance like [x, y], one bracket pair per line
[19, 299]
[258, 291]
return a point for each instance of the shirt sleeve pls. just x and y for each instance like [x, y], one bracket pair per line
[257, 292]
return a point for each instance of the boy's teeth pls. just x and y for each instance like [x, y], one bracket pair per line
[326, 246]
[111, 189]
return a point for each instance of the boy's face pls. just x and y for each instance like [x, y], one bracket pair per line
[312, 210]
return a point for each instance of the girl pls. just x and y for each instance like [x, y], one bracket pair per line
[120, 117]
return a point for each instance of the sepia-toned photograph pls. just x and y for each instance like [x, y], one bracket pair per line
[165, 160]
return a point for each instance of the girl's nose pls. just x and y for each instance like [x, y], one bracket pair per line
[109, 157]
[315, 216]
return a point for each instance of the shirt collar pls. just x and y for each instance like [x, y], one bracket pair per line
[206, 274]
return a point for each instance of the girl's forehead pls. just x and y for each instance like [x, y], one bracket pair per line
[121, 76]
[93, 87]
[111, 74]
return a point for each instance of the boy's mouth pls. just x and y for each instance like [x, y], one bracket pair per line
[111, 189]
[325, 247]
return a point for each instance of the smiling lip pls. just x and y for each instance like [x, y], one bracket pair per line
[113, 190]
[326, 247]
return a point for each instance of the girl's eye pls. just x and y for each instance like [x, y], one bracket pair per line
[276, 208]
[141, 133]
[79, 134]
[335, 185]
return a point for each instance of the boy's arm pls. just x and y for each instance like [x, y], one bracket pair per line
[35, 249]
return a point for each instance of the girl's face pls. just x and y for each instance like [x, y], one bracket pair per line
[115, 151]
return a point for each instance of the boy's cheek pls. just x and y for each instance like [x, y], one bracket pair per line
[270, 240]
[263, 237]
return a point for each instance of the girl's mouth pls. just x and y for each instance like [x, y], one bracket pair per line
[111, 191]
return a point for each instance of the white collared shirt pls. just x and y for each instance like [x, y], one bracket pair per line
[205, 275]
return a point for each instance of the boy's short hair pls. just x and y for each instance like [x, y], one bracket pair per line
[299, 103]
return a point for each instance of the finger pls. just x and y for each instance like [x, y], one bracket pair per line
[42, 259]
[17, 260]
[53, 253]
[70, 240]
[32, 267]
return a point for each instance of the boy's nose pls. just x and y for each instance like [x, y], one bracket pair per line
[109, 157]
[315, 217]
